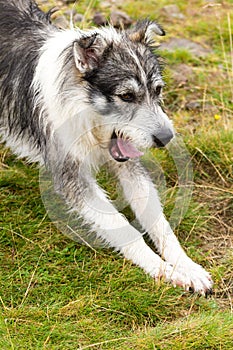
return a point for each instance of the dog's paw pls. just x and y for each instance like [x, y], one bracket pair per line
[190, 276]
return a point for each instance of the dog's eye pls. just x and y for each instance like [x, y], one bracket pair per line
[158, 90]
[128, 97]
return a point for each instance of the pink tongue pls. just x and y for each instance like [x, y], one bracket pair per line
[127, 149]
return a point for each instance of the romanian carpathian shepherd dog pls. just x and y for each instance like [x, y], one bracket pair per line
[73, 100]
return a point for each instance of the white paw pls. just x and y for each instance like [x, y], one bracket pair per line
[190, 276]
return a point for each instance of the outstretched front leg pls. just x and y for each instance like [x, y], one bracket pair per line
[89, 201]
[144, 200]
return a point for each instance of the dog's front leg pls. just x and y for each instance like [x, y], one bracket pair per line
[115, 230]
[82, 193]
[144, 200]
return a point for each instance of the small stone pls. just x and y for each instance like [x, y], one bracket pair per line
[106, 4]
[78, 18]
[180, 43]
[99, 19]
[193, 105]
[61, 22]
[182, 73]
[172, 11]
[120, 19]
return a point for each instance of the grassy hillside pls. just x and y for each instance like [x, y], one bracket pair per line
[57, 294]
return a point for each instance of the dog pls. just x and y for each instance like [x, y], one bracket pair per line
[73, 100]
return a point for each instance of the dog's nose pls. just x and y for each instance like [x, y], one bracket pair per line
[163, 137]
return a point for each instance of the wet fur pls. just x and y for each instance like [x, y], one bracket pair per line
[63, 94]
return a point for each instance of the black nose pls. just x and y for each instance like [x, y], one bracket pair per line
[163, 137]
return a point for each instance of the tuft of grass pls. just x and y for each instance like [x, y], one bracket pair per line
[203, 331]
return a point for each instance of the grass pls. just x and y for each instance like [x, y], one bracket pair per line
[57, 294]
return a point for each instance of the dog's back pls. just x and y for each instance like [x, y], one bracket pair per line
[23, 31]
[21, 9]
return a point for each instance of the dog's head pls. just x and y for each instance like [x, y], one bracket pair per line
[124, 84]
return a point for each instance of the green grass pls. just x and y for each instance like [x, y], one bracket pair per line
[58, 294]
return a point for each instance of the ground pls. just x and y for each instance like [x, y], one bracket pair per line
[58, 294]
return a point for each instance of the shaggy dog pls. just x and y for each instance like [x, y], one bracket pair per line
[74, 100]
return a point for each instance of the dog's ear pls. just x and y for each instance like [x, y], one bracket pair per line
[88, 51]
[145, 31]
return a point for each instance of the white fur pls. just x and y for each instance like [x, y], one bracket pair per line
[144, 200]
[74, 129]
[76, 120]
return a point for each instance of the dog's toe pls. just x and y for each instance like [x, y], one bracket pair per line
[192, 277]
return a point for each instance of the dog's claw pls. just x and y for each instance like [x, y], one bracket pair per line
[206, 293]
[209, 292]
[191, 290]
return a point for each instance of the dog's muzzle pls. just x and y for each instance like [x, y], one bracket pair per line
[122, 149]
[163, 137]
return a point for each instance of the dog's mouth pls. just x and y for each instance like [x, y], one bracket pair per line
[122, 149]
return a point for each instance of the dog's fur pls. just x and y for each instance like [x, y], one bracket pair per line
[74, 100]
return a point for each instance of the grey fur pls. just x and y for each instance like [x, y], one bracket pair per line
[101, 103]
